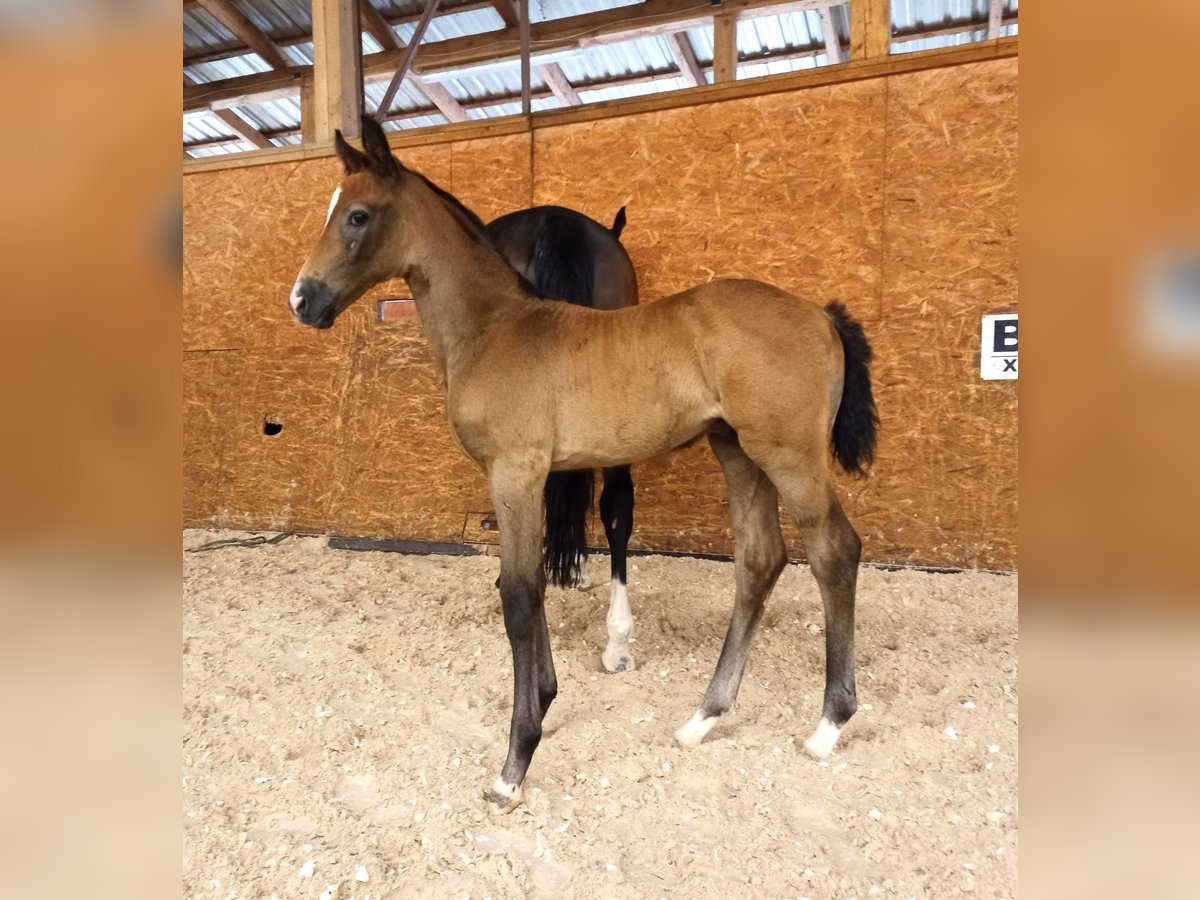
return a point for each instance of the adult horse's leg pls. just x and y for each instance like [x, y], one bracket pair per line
[833, 548]
[759, 558]
[616, 509]
[516, 489]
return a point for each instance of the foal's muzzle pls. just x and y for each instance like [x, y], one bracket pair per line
[312, 303]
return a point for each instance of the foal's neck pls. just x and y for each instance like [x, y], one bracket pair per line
[458, 280]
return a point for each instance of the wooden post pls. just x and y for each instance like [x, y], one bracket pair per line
[724, 48]
[526, 91]
[308, 125]
[870, 29]
[337, 96]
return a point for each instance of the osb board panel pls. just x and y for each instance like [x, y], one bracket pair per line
[247, 232]
[399, 473]
[785, 188]
[945, 484]
[492, 176]
[286, 481]
[212, 384]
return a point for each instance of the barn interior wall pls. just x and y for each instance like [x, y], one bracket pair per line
[896, 195]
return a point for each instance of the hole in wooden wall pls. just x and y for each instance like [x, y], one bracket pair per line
[271, 428]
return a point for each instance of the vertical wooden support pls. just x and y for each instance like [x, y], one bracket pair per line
[308, 127]
[995, 16]
[724, 48]
[337, 97]
[870, 29]
[526, 89]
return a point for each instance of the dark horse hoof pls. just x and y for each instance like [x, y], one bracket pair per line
[502, 798]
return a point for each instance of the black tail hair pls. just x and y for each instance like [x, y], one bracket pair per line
[854, 429]
[562, 262]
[618, 224]
[568, 506]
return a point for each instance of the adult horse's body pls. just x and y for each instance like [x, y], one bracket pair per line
[534, 387]
[567, 256]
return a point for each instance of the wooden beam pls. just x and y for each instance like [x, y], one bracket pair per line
[553, 75]
[833, 47]
[526, 78]
[242, 128]
[1005, 48]
[442, 99]
[308, 98]
[507, 10]
[377, 26]
[406, 61]
[391, 20]
[246, 31]
[685, 59]
[337, 69]
[724, 48]
[870, 29]
[995, 15]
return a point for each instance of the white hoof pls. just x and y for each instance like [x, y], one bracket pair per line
[617, 659]
[694, 730]
[823, 740]
[503, 797]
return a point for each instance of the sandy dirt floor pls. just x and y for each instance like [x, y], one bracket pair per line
[343, 713]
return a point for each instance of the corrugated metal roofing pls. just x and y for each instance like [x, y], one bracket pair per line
[646, 63]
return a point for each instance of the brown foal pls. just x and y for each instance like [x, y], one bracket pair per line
[535, 387]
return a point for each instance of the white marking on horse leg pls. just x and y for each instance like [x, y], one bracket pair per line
[333, 204]
[693, 731]
[616, 656]
[823, 739]
[511, 793]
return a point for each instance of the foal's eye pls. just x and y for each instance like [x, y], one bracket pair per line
[358, 218]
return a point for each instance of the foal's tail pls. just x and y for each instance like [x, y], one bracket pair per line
[857, 419]
[568, 505]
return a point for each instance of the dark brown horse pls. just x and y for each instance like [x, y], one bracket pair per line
[775, 382]
[568, 256]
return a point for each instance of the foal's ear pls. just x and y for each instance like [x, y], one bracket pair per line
[352, 160]
[375, 142]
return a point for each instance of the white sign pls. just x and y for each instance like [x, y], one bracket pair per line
[998, 347]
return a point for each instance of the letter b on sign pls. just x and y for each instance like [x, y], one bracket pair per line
[998, 347]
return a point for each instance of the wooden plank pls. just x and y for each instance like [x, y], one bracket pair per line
[833, 47]
[419, 548]
[245, 31]
[243, 129]
[724, 48]
[870, 29]
[377, 26]
[442, 99]
[685, 59]
[553, 75]
[337, 69]
[995, 15]
[406, 61]
[826, 75]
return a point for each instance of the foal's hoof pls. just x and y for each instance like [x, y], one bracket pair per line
[502, 798]
[823, 740]
[619, 661]
[583, 582]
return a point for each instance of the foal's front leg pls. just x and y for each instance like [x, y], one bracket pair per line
[516, 488]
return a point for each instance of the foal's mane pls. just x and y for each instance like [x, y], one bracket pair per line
[470, 222]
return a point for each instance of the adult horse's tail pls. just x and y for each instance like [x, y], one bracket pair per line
[564, 270]
[568, 508]
[857, 419]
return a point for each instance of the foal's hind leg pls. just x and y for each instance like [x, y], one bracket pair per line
[759, 558]
[833, 550]
[616, 509]
[517, 492]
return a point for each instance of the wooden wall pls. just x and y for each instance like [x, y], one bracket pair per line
[896, 195]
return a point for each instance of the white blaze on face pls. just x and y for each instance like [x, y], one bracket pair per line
[332, 205]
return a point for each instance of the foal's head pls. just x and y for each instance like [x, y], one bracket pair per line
[364, 228]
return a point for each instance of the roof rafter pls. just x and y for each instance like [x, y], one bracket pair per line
[685, 59]
[245, 31]
[243, 129]
[557, 81]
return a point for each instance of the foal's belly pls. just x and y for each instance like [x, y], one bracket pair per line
[593, 439]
